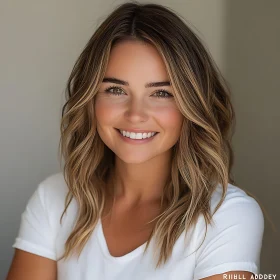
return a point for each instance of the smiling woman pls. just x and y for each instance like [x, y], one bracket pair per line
[135, 106]
[146, 191]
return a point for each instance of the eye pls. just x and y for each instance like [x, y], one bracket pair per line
[112, 92]
[165, 94]
[118, 91]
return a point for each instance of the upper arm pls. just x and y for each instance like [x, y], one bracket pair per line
[36, 233]
[35, 245]
[28, 266]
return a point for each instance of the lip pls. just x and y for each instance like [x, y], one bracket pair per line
[135, 141]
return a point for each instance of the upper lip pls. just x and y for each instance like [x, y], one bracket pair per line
[136, 130]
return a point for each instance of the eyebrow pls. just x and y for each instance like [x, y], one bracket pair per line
[125, 83]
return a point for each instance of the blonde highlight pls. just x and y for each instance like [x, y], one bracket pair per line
[203, 156]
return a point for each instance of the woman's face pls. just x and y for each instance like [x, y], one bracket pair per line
[136, 106]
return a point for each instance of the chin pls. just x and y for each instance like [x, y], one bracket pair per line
[133, 158]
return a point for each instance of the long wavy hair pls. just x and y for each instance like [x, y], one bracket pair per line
[202, 157]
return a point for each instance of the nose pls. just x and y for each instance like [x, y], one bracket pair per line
[136, 111]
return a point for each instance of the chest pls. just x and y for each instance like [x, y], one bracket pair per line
[95, 262]
[124, 231]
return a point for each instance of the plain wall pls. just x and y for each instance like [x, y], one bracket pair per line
[40, 41]
[252, 65]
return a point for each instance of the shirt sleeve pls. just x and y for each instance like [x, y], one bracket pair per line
[35, 233]
[234, 242]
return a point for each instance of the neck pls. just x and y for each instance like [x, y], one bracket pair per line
[140, 183]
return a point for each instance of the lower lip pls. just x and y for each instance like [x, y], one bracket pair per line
[136, 141]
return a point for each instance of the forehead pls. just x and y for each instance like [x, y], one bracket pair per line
[132, 60]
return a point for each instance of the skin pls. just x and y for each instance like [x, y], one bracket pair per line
[141, 170]
[133, 105]
[138, 107]
[27, 266]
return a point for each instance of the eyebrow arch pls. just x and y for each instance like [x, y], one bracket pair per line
[148, 85]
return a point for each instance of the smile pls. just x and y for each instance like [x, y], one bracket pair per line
[137, 137]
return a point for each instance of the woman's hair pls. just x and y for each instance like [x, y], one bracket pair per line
[202, 157]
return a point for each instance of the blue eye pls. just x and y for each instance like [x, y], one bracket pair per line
[119, 92]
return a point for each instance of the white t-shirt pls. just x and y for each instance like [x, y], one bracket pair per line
[233, 244]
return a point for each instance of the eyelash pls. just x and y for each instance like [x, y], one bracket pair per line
[115, 87]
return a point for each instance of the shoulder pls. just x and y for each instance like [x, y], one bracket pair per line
[40, 221]
[51, 192]
[237, 205]
[54, 183]
[238, 212]
[238, 221]
[233, 240]
[53, 187]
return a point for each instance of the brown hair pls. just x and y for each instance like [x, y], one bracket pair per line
[202, 157]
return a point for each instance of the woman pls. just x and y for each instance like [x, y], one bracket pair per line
[146, 190]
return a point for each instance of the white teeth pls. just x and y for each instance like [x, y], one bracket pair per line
[134, 135]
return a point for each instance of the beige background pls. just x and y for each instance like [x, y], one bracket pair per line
[40, 41]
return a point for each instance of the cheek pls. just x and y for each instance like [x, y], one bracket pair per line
[170, 119]
[105, 111]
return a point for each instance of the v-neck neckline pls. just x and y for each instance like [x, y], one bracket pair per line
[103, 243]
